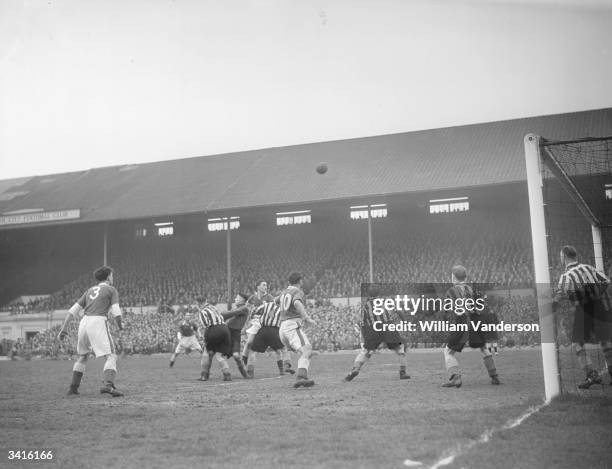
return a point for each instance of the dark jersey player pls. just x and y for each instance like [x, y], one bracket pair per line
[94, 334]
[374, 334]
[456, 341]
[187, 335]
[235, 320]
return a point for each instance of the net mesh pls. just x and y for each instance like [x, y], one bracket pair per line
[577, 190]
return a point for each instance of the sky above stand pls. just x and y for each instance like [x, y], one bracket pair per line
[90, 83]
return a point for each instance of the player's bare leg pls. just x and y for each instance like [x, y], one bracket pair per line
[110, 372]
[172, 359]
[224, 367]
[401, 357]
[452, 366]
[205, 363]
[77, 373]
[303, 364]
[362, 357]
[592, 375]
[240, 365]
[489, 365]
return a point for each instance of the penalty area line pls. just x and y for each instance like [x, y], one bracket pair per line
[485, 437]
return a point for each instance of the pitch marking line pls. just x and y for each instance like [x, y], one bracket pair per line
[485, 437]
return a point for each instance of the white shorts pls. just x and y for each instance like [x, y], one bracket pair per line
[188, 343]
[254, 326]
[292, 335]
[95, 336]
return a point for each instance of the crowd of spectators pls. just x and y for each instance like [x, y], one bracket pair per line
[332, 256]
[337, 328]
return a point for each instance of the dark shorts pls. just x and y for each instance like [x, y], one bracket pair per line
[218, 340]
[475, 339]
[266, 337]
[372, 339]
[592, 322]
[235, 335]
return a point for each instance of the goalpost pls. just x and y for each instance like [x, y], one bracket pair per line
[570, 202]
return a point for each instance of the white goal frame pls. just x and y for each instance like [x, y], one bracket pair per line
[537, 155]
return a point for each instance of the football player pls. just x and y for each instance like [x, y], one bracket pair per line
[217, 338]
[188, 335]
[267, 336]
[94, 335]
[457, 340]
[235, 320]
[374, 338]
[293, 317]
[260, 296]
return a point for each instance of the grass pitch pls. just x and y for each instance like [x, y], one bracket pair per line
[168, 419]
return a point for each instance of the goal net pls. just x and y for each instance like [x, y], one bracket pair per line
[570, 202]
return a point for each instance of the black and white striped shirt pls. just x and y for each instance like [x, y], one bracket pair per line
[209, 316]
[270, 314]
[582, 283]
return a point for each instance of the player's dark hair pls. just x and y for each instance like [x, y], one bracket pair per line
[294, 278]
[259, 282]
[102, 273]
[200, 300]
[569, 252]
[459, 272]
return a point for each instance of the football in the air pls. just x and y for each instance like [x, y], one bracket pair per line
[322, 168]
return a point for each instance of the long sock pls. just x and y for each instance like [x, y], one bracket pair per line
[280, 365]
[77, 373]
[76, 379]
[240, 364]
[109, 376]
[362, 357]
[452, 365]
[490, 365]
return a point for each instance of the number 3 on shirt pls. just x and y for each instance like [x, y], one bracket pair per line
[95, 293]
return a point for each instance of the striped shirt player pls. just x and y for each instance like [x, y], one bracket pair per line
[187, 340]
[587, 290]
[260, 296]
[217, 338]
[94, 334]
[293, 316]
[459, 293]
[268, 336]
[374, 322]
